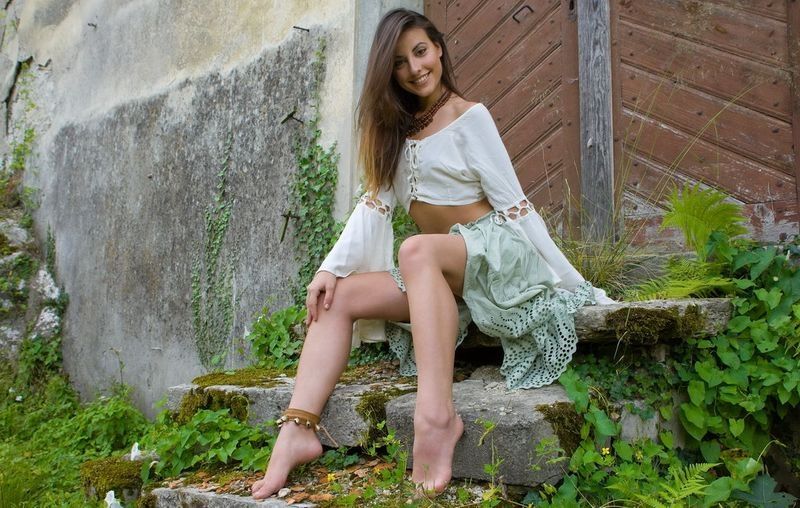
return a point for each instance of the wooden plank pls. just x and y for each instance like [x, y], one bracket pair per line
[538, 165]
[459, 12]
[532, 89]
[517, 67]
[773, 222]
[570, 118]
[479, 23]
[708, 69]
[724, 28]
[597, 151]
[491, 50]
[616, 116]
[436, 11]
[534, 126]
[734, 127]
[793, 28]
[775, 9]
[740, 177]
[547, 194]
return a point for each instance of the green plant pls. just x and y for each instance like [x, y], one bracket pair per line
[370, 352]
[314, 192]
[209, 438]
[212, 277]
[275, 337]
[699, 212]
[492, 496]
[744, 379]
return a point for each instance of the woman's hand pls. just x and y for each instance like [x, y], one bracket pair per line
[323, 282]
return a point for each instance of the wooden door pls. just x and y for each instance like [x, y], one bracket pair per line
[705, 94]
[520, 60]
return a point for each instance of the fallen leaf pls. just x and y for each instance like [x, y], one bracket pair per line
[298, 488]
[317, 498]
[361, 473]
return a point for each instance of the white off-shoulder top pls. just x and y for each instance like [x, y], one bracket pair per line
[457, 165]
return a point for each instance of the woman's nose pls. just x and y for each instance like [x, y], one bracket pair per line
[414, 65]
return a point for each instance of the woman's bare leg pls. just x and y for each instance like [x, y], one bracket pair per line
[323, 359]
[433, 271]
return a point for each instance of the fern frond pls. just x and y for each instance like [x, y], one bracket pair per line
[686, 481]
[669, 288]
[698, 212]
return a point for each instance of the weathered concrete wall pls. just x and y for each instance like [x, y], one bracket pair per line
[132, 104]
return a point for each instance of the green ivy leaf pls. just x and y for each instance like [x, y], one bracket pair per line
[710, 450]
[762, 493]
[624, 450]
[736, 426]
[695, 415]
[697, 393]
[604, 427]
[719, 490]
[577, 389]
[738, 324]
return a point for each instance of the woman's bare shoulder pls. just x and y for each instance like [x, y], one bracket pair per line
[461, 105]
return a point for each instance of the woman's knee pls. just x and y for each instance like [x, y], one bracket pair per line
[414, 253]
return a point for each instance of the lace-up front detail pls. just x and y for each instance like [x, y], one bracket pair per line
[411, 153]
[518, 211]
[377, 205]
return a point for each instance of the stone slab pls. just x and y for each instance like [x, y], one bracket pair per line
[592, 323]
[520, 426]
[170, 498]
[341, 417]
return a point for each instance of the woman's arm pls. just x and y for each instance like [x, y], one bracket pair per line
[365, 245]
[488, 155]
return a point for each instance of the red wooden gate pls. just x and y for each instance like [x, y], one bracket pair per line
[520, 60]
[703, 91]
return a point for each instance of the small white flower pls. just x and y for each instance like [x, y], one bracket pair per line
[775, 279]
[18, 398]
[11, 390]
[135, 453]
[111, 500]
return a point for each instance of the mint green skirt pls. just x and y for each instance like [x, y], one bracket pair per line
[510, 294]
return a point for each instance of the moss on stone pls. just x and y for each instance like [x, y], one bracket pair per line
[692, 322]
[203, 398]
[566, 423]
[646, 327]
[372, 408]
[249, 376]
[111, 473]
[147, 500]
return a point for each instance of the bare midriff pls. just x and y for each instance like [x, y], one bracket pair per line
[432, 219]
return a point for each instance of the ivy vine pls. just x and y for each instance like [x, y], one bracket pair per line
[212, 277]
[314, 192]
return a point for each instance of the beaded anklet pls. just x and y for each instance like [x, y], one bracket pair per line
[304, 419]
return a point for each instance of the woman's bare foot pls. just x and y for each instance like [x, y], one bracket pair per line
[295, 445]
[434, 443]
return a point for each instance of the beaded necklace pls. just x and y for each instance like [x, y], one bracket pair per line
[424, 120]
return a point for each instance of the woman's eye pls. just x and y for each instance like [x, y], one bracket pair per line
[421, 51]
[398, 64]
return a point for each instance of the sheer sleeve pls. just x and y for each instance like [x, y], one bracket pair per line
[365, 244]
[488, 155]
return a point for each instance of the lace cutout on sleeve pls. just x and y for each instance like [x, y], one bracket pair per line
[377, 205]
[518, 211]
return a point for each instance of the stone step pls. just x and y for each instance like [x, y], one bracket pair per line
[185, 496]
[353, 412]
[642, 323]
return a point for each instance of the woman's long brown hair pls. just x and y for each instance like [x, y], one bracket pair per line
[385, 110]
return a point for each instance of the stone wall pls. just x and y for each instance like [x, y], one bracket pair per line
[133, 105]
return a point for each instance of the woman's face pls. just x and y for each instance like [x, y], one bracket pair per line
[418, 64]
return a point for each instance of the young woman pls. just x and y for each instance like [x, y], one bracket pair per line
[484, 254]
